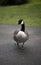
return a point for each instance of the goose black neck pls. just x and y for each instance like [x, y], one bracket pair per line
[23, 27]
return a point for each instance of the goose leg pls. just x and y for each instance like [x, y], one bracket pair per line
[23, 44]
[17, 44]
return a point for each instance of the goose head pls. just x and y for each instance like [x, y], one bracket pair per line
[21, 22]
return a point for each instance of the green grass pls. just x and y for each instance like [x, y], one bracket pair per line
[30, 13]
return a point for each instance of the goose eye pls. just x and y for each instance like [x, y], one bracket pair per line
[19, 22]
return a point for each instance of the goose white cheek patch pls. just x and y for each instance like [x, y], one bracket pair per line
[22, 22]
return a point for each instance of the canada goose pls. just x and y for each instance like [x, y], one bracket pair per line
[20, 36]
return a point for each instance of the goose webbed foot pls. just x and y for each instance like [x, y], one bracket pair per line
[20, 46]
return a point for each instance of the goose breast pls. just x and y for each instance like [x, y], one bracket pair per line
[21, 36]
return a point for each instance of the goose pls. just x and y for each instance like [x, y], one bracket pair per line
[21, 36]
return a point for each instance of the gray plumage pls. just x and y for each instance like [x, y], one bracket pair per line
[20, 36]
